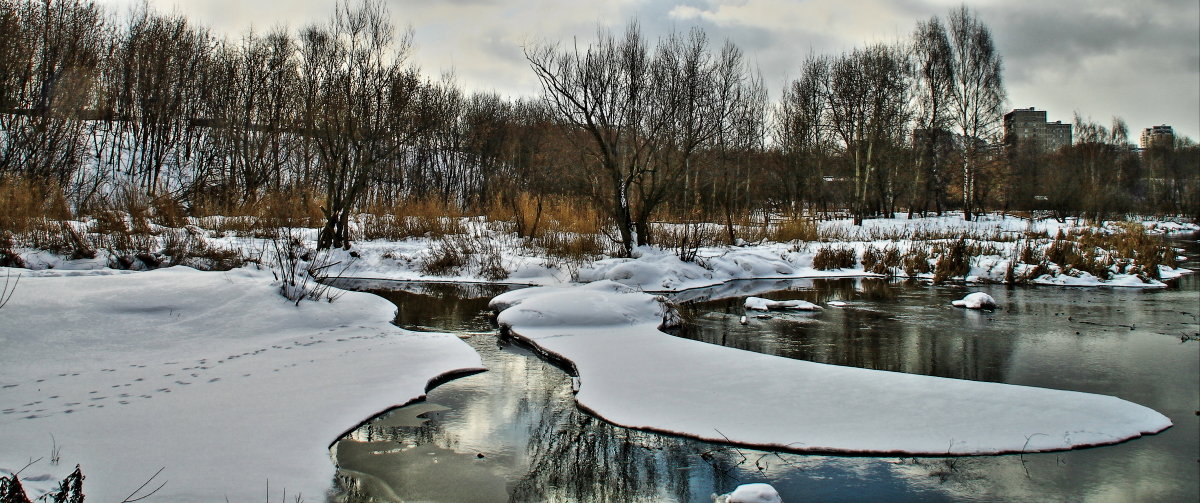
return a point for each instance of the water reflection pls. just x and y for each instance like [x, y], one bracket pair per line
[514, 434]
[885, 325]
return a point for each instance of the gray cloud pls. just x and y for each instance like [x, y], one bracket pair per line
[1138, 60]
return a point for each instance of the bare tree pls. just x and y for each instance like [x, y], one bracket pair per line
[50, 53]
[604, 91]
[934, 71]
[868, 112]
[358, 106]
[978, 96]
[799, 130]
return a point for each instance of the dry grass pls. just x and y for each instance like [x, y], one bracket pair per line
[431, 218]
[463, 253]
[27, 204]
[259, 218]
[834, 257]
[795, 227]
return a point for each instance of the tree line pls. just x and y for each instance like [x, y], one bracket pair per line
[678, 127]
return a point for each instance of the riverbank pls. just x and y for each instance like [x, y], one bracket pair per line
[991, 249]
[232, 390]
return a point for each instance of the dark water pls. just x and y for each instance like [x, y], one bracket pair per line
[536, 446]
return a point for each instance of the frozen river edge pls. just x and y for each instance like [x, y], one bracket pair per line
[633, 375]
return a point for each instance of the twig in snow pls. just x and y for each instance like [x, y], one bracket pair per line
[7, 292]
[54, 450]
[143, 486]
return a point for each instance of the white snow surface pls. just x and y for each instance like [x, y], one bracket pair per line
[754, 493]
[212, 376]
[976, 300]
[761, 304]
[633, 375]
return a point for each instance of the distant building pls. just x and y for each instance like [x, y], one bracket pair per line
[1026, 126]
[1157, 136]
[1058, 135]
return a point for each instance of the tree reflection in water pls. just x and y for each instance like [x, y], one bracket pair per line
[554, 453]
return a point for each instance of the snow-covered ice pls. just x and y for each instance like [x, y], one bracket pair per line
[976, 300]
[753, 493]
[761, 304]
[633, 375]
[212, 376]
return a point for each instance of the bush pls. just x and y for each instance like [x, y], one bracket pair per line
[446, 257]
[916, 261]
[954, 260]
[881, 260]
[834, 257]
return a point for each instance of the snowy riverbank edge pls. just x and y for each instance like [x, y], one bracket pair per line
[211, 375]
[633, 375]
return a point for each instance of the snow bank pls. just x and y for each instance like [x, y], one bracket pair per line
[633, 375]
[210, 375]
[976, 300]
[761, 304]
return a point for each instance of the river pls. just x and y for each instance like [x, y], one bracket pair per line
[513, 433]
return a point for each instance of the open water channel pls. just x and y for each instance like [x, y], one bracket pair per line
[513, 433]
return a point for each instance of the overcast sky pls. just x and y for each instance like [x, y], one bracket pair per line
[1103, 58]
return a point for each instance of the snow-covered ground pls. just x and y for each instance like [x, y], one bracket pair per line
[633, 375]
[659, 270]
[212, 376]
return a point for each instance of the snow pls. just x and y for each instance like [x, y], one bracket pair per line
[976, 300]
[754, 493]
[633, 375]
[761, 304]
[212, 376]
[244, 388]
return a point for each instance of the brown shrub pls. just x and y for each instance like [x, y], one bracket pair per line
[834, 257]
[954, 260]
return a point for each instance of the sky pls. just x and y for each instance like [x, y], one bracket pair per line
[1101, 58]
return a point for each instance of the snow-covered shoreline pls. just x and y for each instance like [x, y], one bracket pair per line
[212, 376]
[661, 270]
[633, 375]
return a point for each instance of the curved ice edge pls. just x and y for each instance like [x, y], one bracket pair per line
[432, 383]
[563, 361]
[791, 448]
[1128, 421]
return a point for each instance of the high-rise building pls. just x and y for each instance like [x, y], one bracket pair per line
[1157, 136]
[1027, 126]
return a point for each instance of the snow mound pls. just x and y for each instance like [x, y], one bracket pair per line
[752, 493]
[976, 300]
[601, 303]
[761, 304]
[633, 375]
[212, 376]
